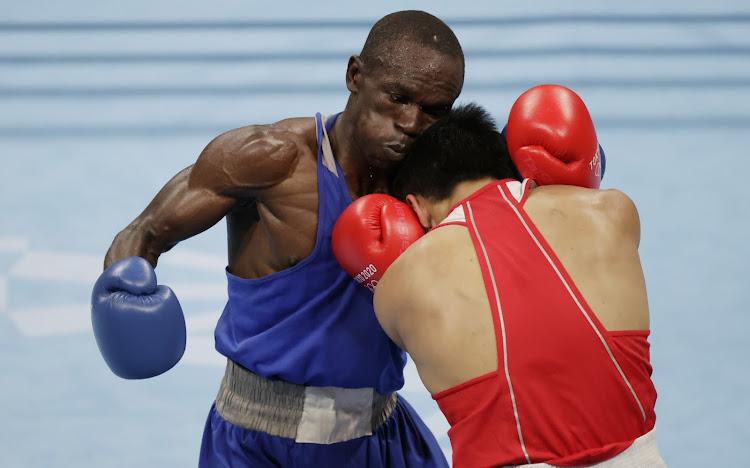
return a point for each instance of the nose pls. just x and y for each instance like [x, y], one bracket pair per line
[410, 120]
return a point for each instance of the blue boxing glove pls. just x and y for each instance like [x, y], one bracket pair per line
[139, 326]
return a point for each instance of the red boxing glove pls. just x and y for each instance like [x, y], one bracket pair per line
[371, 233]
[551, 138]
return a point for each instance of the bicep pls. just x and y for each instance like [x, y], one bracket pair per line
[403, 294]
[389, 305]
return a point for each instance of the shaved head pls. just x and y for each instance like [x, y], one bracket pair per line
[399, 35]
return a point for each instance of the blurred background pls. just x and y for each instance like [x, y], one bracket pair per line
[101, 103]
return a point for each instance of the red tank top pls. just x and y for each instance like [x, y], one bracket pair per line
[567, 392]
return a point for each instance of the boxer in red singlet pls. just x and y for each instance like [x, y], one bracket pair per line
[524, 307]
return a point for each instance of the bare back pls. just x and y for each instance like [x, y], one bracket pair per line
[433, 301]
[595, 234]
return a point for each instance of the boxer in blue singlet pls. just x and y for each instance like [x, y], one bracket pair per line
[311, 377]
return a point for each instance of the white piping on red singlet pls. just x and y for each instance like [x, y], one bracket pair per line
[502, 328]
[570, 291]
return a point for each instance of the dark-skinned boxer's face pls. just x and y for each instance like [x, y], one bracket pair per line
[393, 102]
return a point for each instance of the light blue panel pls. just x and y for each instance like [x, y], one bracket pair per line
[95, 119]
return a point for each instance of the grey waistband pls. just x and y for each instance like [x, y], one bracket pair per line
[319, 415]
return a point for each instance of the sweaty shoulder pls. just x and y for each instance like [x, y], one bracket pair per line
[621, 210]
[610, 208]
[245, 159]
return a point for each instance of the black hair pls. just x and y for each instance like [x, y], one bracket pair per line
[464, 145]
[410, 25]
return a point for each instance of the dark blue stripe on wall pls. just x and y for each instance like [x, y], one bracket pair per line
[259, 89]
[648, 122]
[78, 26]
[47, 59]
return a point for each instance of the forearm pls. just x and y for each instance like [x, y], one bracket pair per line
[179, 211]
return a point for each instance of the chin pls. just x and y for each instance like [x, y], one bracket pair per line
[387, 159]
[385, 163]
[379, 161]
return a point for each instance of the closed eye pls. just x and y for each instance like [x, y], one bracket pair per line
[398, 98]
[437, 111]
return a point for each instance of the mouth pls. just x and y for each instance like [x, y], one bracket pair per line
[390, 154]
[398, 148]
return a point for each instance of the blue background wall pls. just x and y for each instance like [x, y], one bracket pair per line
[100, 104]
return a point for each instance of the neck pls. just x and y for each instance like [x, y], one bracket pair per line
[340, 136]
[464, 189]
[361, 177]
[441, 209]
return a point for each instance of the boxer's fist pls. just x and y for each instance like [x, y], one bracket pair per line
[371, 233]
[551, 138]
[138, 325]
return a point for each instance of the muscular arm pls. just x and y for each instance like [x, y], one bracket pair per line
[405, 292]
[178, 211]
[389, 300]
[233, 166]
[432, 302]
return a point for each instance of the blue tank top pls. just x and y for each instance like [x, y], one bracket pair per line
[311, 324]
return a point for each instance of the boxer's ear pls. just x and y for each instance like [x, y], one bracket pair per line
[354, 74]
[417, 203]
